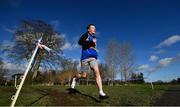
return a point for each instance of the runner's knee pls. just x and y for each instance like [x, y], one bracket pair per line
[84, 74]
[96, 72]
[81, 75]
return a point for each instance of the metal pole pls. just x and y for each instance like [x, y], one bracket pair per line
[15, 79]
[14, 97]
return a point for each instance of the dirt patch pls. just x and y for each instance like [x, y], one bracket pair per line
[71, 97]
[64, 98]
[7, 90]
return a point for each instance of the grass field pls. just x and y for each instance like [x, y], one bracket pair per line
[87, 95]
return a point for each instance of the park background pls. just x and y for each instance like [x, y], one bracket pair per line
[138, 44]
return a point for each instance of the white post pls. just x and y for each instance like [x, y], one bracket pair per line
[14, 98]
[152, 85]
[15, 80]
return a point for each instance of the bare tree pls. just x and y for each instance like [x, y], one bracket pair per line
[50, 77]
[70, 68]
[126, 60]
[25, 37]
[103, 68]
[2, 71]
[111, 59]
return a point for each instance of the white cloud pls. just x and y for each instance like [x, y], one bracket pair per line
[14, 68]
[11, 66]
[6, 44]
[69, 46]
[144, 67]
[165, 62]
[153, 58]
[170, 41]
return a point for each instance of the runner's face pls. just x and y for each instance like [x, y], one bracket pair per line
[92, 29]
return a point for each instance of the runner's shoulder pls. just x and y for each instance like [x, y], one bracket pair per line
[85, 34]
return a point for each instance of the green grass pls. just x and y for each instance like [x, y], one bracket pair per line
[138, 95]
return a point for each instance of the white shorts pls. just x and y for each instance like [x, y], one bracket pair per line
[88, 64]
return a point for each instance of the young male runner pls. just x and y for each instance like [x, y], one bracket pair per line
[89, 59]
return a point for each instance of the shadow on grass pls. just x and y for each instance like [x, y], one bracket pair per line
[75, 91]
[169, 98]
[43, 93]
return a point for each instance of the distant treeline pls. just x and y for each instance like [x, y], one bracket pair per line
[53, 77]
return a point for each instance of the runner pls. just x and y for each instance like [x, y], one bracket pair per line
[89, 59]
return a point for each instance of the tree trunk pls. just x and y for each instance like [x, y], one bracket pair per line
[36, 66]
[121, 76]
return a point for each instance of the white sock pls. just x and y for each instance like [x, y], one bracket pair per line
[101, 93]
[73, 83]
